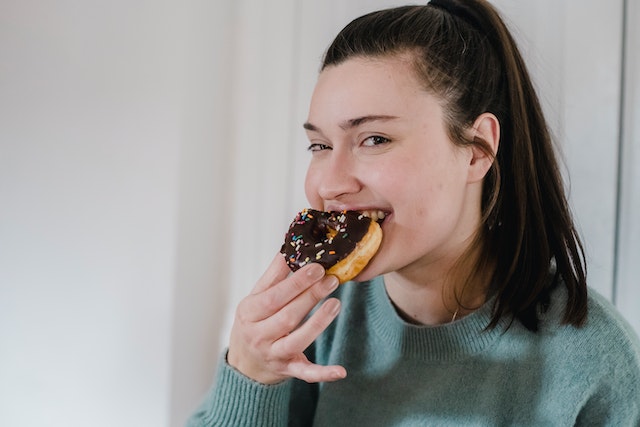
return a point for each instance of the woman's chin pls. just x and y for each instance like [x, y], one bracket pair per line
[368, 273]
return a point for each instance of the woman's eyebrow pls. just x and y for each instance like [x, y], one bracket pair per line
[310, 127]
[351, 123]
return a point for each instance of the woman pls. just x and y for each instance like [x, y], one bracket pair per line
[475, 310]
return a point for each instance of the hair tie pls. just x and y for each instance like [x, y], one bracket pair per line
[454, 8]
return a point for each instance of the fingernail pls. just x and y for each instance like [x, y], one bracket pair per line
[338, 375]
[333, 305]
[315, 272]
[332, 283]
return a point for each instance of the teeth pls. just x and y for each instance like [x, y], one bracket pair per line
[375, 215]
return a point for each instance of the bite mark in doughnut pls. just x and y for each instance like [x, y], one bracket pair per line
[342, 242]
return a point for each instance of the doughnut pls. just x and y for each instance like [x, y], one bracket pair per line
[342, 242]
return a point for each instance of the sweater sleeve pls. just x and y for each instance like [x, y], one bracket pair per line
[236, 400]
[616, 401]
[615, 398]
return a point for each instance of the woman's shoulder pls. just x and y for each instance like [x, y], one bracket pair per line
[604, 356]
[605, 339]
[607, 325]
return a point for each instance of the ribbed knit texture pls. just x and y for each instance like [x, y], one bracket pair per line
[450, 375]
[239, 401]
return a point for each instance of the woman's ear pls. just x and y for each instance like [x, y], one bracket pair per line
[486, 128]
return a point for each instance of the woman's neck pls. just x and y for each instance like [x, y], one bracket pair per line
[436, 298]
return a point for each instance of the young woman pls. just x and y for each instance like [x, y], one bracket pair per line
[475, 310]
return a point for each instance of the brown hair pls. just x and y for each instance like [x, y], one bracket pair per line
[466, 56]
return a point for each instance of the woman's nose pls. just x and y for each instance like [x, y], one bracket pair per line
[337, 176]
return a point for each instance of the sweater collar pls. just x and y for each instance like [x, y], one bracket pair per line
[451, 341]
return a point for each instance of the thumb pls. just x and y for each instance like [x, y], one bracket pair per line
[276, 272]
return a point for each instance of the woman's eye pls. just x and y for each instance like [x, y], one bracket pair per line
[318, 147]
[375, 140]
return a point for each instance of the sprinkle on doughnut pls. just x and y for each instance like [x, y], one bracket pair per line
[323, 237]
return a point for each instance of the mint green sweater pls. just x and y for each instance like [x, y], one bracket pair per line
[451, 375]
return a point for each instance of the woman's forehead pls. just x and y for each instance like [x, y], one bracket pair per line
[368, 86]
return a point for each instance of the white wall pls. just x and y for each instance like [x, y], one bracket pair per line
[88, 176]
[131, 131]
[112, 151]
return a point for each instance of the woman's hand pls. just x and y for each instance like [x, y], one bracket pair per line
[268, 337]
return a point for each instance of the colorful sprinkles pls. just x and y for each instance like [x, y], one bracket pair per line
[323, 237]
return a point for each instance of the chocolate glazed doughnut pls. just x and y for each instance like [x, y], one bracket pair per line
[342, 242]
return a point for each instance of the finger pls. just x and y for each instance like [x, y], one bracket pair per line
[267, 303]
[307, 332]
[275, 272]
[301, 282]
[312, 373]
[290, 316]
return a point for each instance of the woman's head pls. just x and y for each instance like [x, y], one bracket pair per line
[380, 144]
[461, 52]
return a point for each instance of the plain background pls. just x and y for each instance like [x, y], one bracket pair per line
[151, 157]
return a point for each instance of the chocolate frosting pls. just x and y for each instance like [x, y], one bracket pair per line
[323, 237]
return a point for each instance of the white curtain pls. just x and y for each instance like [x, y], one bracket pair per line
[627, 271]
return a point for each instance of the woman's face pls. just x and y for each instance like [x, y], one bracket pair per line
[379, 143]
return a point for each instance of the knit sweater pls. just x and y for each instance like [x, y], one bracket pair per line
[458, 374]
